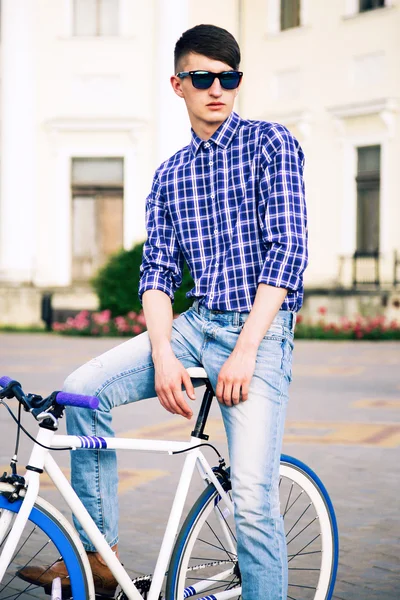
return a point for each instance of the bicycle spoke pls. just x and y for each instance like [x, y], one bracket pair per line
[288, 500]
[290, 556]
[217, 547]
[223, 547]
[305, 587]
[295, 523]
[306, 546]
[300, 532]
[294, 502]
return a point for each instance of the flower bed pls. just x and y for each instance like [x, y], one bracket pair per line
[102, 324]
[359, 328]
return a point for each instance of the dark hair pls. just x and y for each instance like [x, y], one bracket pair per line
[211, 41]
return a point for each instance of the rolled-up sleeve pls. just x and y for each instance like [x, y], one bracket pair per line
[162, 261]
[282, 211]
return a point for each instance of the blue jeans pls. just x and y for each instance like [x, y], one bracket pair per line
[254, 429]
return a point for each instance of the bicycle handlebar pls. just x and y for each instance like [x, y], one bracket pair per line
[79, 400]
[61, 398]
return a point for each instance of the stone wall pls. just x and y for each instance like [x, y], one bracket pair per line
[22, 305]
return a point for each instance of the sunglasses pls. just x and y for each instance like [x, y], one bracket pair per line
[202, 80]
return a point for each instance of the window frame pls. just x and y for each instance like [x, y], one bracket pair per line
[352, 8]
[361, 10]
[273, 18]
[98, 34]
[296, 11]
[368, 180]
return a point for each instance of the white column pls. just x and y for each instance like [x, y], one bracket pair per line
[172, 126]
[351, 8]
[18, 151]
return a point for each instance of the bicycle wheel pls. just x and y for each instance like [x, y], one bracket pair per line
[204, 561]
[46, 537]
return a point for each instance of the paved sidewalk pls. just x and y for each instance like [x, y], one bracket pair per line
[343, 421]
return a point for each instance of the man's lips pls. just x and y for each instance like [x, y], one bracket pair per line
[215, 104]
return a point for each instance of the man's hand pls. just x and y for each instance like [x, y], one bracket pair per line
[170, 374]
[235, 376]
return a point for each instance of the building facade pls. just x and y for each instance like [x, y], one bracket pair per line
[87, 114]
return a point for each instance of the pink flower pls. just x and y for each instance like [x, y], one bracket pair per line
[299, 319]
[132, 315]
[140, 319]
[137, 329]
[119, 321]
[359, 334]
[322, 310]
[102, 317]
[106, 329]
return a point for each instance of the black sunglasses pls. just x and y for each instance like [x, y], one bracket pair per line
[202, 80]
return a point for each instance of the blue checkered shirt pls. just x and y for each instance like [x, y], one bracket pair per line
[233, 208]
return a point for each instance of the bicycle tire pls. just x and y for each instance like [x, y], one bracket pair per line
[196, 547]
[46, 537]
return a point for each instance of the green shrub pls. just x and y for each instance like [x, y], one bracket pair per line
[117, 283]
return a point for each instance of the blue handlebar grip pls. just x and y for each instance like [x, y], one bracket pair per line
[4, 381]
[68, 399]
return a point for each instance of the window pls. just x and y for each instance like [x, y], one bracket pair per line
[370, 4]
[368, 192]
[290, 14]
[95, 17]
[97, 213]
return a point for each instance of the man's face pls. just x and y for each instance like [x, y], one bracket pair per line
[205, 107]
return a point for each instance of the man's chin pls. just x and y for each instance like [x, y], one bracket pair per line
[217, 116]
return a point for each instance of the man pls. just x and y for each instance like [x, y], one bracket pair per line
[231, 204]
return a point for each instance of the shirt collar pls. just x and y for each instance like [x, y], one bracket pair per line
[222, 137]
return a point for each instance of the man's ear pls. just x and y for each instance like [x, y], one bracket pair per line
[176, 83]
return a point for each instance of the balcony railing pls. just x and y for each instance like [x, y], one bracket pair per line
[369, 270]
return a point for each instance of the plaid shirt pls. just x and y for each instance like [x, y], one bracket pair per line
[233, 208]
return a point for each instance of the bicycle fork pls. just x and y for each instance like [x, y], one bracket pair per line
[34, 469]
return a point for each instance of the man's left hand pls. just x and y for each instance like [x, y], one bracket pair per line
[234, 378]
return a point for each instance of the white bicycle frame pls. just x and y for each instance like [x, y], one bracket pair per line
[41, 459]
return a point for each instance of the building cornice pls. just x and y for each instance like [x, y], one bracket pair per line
[302, 119]
[95, 124]
[384, 108]
[359, 109]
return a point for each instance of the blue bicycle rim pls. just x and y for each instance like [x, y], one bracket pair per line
[60, 540]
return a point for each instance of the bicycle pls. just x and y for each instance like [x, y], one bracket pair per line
[200, 563]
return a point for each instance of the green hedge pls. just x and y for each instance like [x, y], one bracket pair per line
[117, 283]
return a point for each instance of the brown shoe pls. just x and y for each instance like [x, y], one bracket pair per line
[105, 583]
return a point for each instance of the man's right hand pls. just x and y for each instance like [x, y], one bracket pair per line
[170, 375]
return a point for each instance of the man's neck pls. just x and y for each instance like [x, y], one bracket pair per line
[203, 129]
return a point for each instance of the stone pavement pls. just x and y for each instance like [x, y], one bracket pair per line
[343, 421]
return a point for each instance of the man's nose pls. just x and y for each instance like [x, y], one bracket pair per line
[215, 89]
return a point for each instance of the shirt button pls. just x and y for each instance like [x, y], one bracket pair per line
[215, 230]
[206, 145]
[211, 163]
[216, 263]
[212, 196]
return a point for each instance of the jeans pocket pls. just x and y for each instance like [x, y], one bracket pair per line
[287, 358]
[275, 332]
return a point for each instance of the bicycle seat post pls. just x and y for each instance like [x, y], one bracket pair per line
[201, 421]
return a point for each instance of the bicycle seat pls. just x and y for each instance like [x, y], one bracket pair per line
[197, 373]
